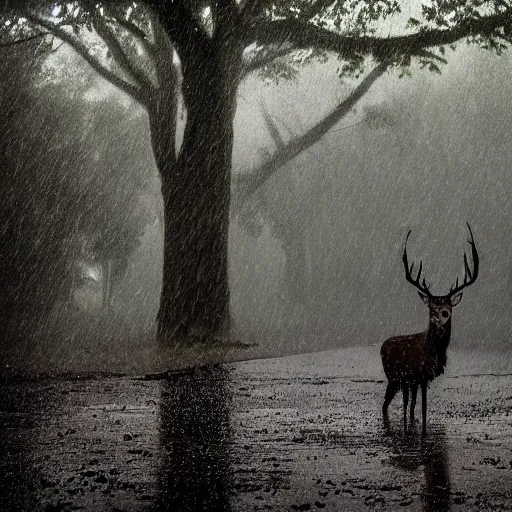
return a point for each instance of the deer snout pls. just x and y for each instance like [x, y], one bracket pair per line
[444, 315]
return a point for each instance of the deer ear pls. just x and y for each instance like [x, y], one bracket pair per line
[456, 299]
[423, 297]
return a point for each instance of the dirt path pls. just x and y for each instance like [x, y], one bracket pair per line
[296, 433]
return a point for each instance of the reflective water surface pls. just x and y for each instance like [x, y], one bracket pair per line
[286, 434]
[428, 455]
[195, 435]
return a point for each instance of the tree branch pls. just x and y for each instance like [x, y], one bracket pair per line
[130, 27]
[274, 131]
[303, 35]
[136, 32]
[83, 51]
[250, 10]
[163, 107]
[24, 40]
[163, 52]
[184, 31]
[431, 55]
[113, 44]
[250, 184]
[225, 16]
[315, 8]
[262, 60]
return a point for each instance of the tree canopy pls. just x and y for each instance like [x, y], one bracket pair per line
[267, 30]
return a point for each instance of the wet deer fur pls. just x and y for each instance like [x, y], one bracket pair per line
[415, 360]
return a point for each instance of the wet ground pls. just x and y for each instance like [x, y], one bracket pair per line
[294, 433]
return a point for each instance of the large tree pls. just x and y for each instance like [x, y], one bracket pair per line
[217, 42]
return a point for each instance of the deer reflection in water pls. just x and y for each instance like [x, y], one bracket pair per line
[413, 451]
[195, 437]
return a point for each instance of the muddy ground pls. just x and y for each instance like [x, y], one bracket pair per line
[295, 433]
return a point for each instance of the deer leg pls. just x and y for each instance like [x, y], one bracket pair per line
[414, 393]
[424, 406]
[405, 391]
[391, 391]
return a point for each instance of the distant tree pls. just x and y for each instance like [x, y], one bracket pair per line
[26, 275]
[113, 215]
[217, 43]
[66, 194]
[287, 198]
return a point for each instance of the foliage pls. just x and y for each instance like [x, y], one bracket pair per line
[278, 36]
[129, 44]
[67, 192]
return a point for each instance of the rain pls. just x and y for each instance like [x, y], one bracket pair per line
[198, 273]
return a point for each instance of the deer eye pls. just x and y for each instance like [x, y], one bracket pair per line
[445, 314]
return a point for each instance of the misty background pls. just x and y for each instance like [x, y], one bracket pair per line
[315, 253]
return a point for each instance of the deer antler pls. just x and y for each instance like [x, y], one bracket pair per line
[469, 275]
[419, 283]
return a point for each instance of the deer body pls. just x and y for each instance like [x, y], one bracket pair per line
[417, 359]
[409, 360]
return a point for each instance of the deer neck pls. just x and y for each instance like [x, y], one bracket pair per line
[438, 339]
[439, 336]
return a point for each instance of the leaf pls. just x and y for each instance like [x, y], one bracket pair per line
[435, 68]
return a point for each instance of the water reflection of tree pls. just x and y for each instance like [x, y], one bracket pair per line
[18, 476]
[412, 450]
[195, 435]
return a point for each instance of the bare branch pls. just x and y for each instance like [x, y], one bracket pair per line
[130, 27]
[83, 51]
[274, 131]
[110, 39]
[55, 50]
[24, 40]
[298, 144]
[136, 32]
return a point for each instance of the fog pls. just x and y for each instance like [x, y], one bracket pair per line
[321, 265]
[442, 161]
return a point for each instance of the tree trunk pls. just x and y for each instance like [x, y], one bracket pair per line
[106, 267]
[196, 192]
[292, 233]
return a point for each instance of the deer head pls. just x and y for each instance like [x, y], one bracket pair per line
[440, 306]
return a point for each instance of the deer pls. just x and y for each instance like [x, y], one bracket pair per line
[416, 360]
